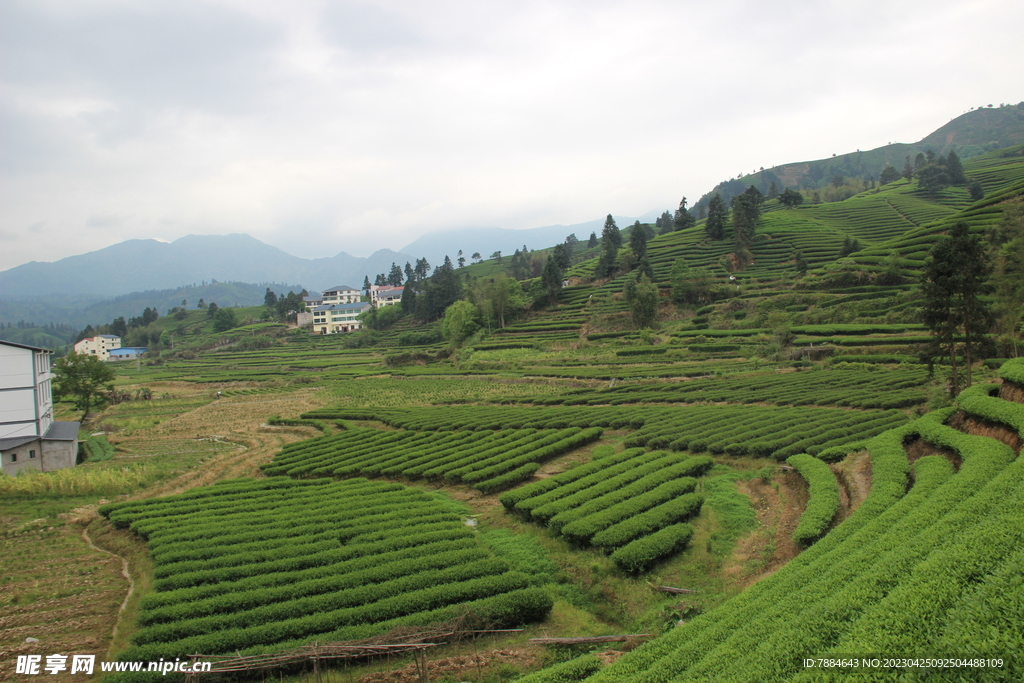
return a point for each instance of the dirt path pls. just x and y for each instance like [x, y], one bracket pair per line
[238, 421]
[778, 505]
[854, 477]
[124, 572]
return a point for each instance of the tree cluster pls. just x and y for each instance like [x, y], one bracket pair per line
[426, 298]
[642, 298]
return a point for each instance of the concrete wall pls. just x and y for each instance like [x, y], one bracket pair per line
[59, 454]
[16, 367]
[21, 458]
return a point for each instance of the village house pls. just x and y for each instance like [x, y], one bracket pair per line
[385, 295]
[100, 346]
[127, 353]
[29, 436]
[337, 318]
[342, 294]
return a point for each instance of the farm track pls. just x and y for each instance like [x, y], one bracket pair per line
[902, 215]
[770, 545]
[124, 572]
[235, 420]
[62, 591]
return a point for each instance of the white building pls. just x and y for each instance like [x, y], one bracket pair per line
[29, 437]
[342, 294]
[99, 346]
[385, 295]
[336, 318]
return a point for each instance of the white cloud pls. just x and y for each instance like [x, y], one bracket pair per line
[326, 126]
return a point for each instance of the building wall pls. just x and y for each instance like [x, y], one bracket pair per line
[342, 296]
[28, 456]
[26, 404]
[59, 454]
[98, 346]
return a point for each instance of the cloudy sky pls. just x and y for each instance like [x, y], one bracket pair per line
[322, 126]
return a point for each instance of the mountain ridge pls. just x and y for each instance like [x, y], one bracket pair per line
[148, 264]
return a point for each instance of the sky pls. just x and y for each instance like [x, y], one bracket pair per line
[326, 126]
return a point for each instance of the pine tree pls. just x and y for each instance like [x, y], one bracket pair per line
[953, 284]
[552, 279]
[638, 241]
[746, 214]
[683, 220]
[395, 276]
[908, 170]
[611, 240]
[717, 217]
[955, 168]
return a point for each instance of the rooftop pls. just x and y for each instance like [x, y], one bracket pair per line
[25, 346]
[62, 431]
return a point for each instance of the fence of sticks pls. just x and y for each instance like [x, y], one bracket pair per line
[314, 658]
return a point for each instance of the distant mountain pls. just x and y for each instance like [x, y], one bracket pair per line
[969, 135]
[78, 311]
[137, 265]
[436, 245]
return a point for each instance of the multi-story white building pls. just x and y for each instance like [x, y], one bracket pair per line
[29, 437]
[342, 294]
[99, 346]
[385, 295]
[335, 318]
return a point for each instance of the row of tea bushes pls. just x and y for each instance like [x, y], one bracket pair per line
[925, 567]
[823, 503]
[397, 555]
[620, 503]
[487, 460]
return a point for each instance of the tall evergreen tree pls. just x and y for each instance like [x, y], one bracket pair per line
[664, 223]
[746, 213]
[908, 170]
[954, 280]
[717, 217]
[395, 276]
[592, 242]
[551, 278]
[611, 240]
[955, 168]
[683, 220]
[638, 241]
[561, 256]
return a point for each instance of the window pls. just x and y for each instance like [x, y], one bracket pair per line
[14, 457]
[31, 454]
